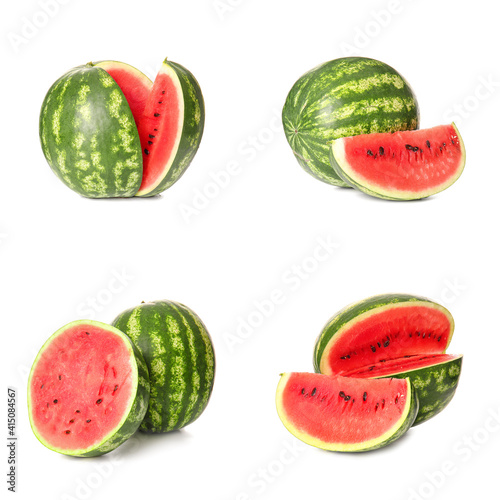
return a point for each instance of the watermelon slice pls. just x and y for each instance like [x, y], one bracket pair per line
[400, 166]
[345, 414]
[394, 335]
[169, 115]
[88, 389]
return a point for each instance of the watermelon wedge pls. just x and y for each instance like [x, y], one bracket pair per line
[88, 390]
[345, 414]
[394, 335]
[403, 165]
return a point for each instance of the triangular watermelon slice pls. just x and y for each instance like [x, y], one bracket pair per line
[403, 165]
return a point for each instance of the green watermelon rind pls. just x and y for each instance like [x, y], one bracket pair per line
[97, 158]
[181, 361]
[192, 129]
[435, 386]
[405, 423]
[341, 168]
[358, 310]
[355, 95]
[134, 414]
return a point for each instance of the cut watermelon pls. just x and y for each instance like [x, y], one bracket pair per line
[345, 414]
[88, 389]
[394, 335]
[400, 166]
[435, 379]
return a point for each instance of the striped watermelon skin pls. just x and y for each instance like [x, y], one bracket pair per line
[181, 361]
[192, 129]
[89, 136]
[340, 98]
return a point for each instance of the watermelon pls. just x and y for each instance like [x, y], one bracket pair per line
[345, 414]
[344, 97]
[171, 128]
[393, 335]
[107, 131]
[434, 377]
[88, 389]
[401, 166]
[89, 136]
[181, 361]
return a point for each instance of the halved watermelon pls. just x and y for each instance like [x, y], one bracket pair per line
[345, 414]
[394, 335]
[400, 166]
[88, 389]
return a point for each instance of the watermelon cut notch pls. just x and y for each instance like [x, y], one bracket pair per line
[107, 131]
[400, 166]
[169, 115]
[88, 390]
[345, 414]
[394, 335]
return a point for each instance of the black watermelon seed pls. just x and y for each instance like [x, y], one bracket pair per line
[409, 147]
[380, 150]
[383, 403]
[369, 152]
[303, 391]
[77, 411]
[428, 144]
[87, 333]
[55, 401]
[160, 102]
[313, 392]
[376, 407]
[373, 348]
[396, 400]
[444, 144]
[115, 389]
[371, 368]
[41, 387]
[453, 142]
[146, 151]
[155, 129]
[379, 344]
[386, 343]
[347, 398]
[423, 335]
[72, 421]
[150, 142]
[88, 420]
[151, 136]
[98, 402]
[439, 338]
[157, 115]
[418, 334]
[162, 91]
[342, 357]
[342, 394]
[47, 405]
[59, 377]
[365, 395]
[348, 356]
[68, 432]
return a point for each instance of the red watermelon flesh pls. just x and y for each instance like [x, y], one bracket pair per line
[402, 165]
[345, 414]
[160, 128]
[135, 85]
[388, 333]
[82, 387]
[392, 367]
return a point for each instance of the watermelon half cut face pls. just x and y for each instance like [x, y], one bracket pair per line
[345, 414]
[394, 335]
[401, 166]
[88, 390]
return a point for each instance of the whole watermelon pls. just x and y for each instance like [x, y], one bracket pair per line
[180, 356]
[340, 98]
[89, 136]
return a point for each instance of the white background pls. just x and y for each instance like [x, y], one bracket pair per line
[59, 252]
